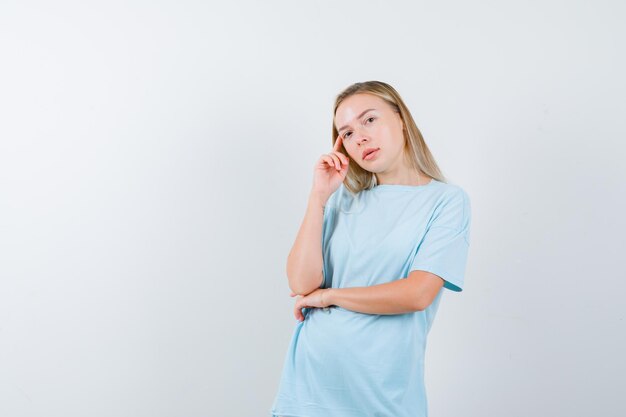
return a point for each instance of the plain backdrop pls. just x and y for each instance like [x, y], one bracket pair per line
[156, 158]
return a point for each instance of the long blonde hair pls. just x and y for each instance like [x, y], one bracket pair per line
[416, 150]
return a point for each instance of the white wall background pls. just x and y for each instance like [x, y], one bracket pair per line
[155, 159]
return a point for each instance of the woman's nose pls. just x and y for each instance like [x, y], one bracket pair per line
[361, 138]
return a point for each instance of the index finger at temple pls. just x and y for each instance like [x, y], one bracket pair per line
[337, 143]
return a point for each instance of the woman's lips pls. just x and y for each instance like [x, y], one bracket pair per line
[371, 155]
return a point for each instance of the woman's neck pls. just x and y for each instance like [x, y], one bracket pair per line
[407, 178]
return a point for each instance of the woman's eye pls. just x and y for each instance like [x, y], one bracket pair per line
[345, 135]
[371, 118]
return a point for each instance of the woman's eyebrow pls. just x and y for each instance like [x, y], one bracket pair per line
[358, 117]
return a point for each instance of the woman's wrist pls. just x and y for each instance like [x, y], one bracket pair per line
[327, 297]
[317, 200]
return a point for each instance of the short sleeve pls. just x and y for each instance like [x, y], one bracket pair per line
[443, 250]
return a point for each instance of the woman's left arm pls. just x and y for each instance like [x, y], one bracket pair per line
[414, 293]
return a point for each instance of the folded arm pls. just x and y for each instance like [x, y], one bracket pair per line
[415, 293]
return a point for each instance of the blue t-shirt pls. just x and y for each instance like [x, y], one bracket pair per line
[343, 363]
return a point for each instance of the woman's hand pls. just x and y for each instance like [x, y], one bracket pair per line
[316, 298]
[330, 171]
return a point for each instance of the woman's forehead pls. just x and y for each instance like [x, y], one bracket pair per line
[355, 106]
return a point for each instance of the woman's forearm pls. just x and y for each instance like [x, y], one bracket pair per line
[305, 262]
[396, 297]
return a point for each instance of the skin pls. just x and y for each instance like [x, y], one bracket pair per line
[379, 128]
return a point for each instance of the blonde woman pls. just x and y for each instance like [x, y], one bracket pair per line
[383, 235]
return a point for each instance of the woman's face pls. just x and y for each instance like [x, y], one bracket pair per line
[366, 121]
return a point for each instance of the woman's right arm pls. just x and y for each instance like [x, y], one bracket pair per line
[305, 262]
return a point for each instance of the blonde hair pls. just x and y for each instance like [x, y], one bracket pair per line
[416, 150]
